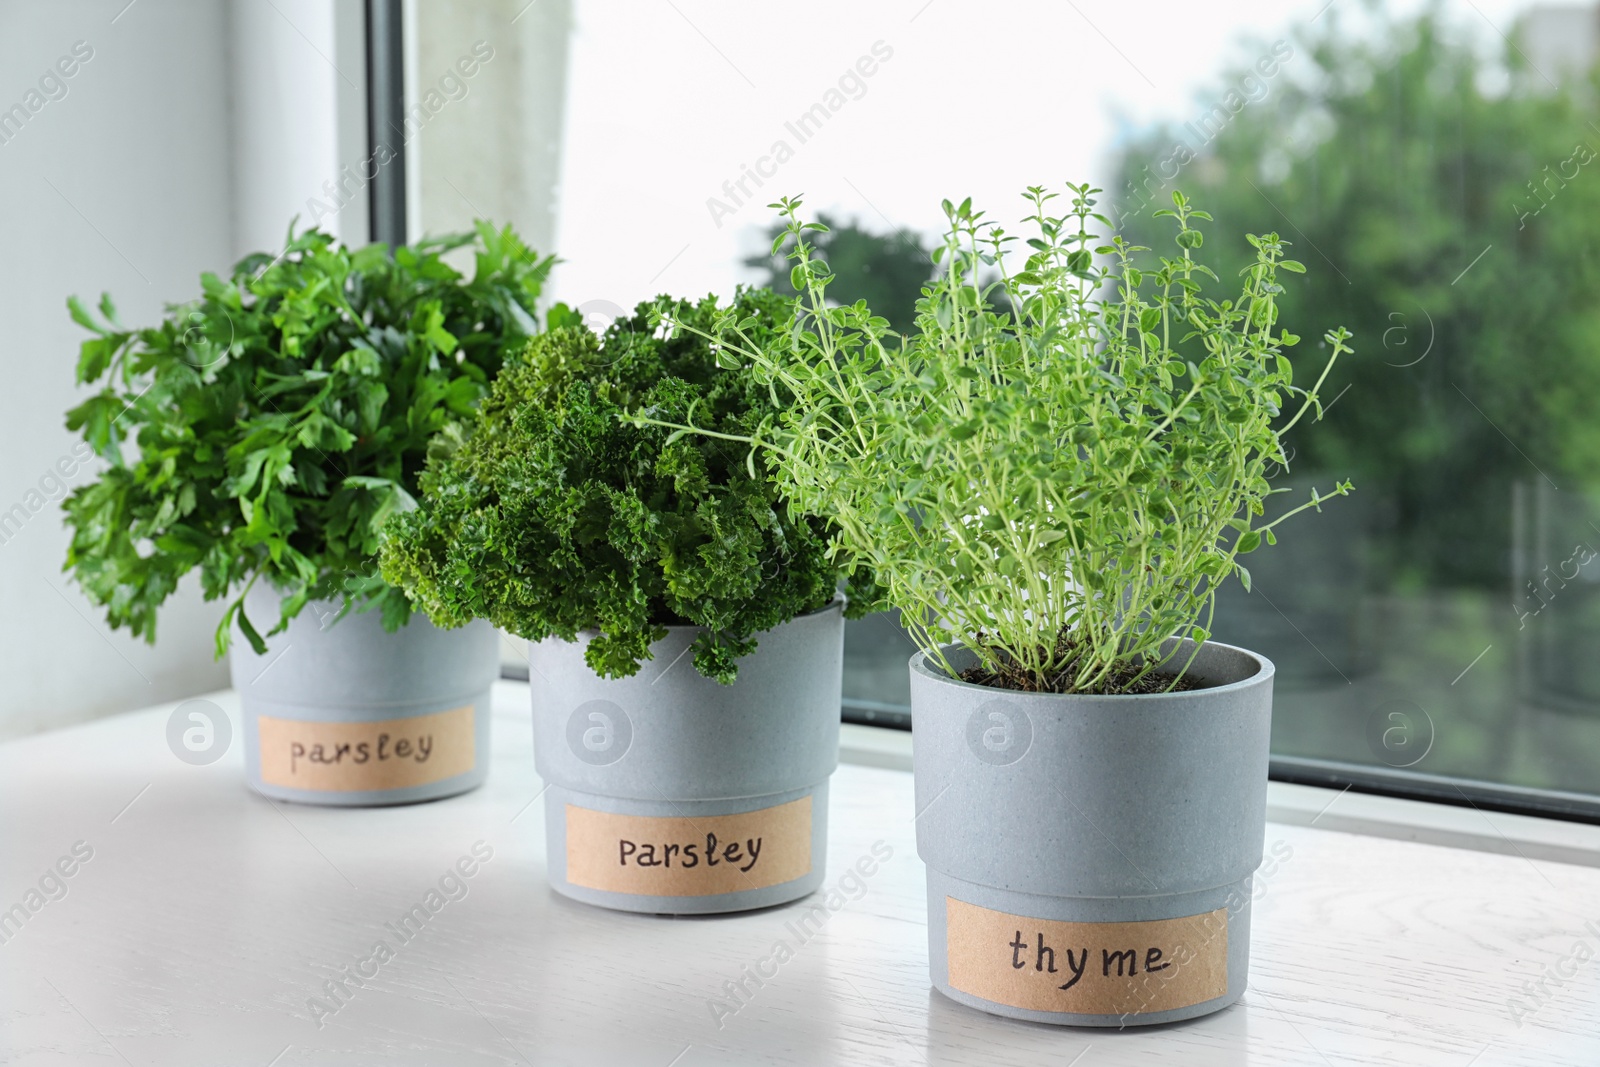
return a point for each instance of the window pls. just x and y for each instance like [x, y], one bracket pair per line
[1435, 167]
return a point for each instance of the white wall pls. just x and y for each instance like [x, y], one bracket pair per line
[191, 134]
[298, 118]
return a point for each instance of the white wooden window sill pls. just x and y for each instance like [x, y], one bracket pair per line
[207, 917]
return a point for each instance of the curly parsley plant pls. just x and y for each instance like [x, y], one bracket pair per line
[550, 515]
[280, 419]
[1058, 468]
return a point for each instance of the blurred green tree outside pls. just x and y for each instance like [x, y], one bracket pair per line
[1442, 185]
[1447, 203]
[885, 270]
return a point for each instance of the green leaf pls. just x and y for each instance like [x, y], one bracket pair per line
[81, 316]
[249, 631]
[94, 356]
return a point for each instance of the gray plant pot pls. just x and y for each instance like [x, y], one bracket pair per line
[416, 699]
[668, 758]
[1042, 810]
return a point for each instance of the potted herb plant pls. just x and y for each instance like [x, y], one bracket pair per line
[276, 423]
[686, 640]
[1049, 479]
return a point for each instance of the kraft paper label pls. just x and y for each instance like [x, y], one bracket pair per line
[1094, 968]
[343, 757]
[688, 857]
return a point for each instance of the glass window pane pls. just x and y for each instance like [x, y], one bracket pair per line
[1433, 165]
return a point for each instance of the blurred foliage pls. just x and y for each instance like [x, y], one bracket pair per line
[888, 271]
[1451, 196]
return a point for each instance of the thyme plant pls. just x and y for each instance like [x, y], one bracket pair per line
[1058, 468]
